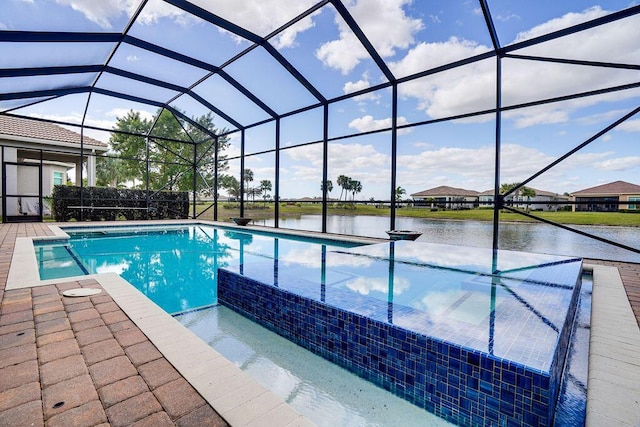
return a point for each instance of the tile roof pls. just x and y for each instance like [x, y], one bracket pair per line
[21, 127]
[444, 190]
[538, 193]
[616, 187]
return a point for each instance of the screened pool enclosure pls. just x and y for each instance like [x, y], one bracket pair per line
[336, 103]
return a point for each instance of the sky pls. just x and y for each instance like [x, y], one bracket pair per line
[410, 36]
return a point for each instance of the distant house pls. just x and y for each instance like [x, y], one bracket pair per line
[543, 200]
[36, 156]
[611, 197]
[446, 198]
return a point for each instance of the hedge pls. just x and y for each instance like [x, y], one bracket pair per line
[108, 204]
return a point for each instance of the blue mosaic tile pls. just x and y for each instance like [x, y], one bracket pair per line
[438, 357]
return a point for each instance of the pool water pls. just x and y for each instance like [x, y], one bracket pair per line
[175, 267]
[446, 325]
[323, 392]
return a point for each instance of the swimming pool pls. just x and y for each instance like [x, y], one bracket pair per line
[174, 266]
[469, 334]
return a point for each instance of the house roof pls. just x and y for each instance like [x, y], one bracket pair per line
[18, 127]
[444, 190]
[538, 193]
[616, 187]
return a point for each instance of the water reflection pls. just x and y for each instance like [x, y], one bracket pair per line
[508, 304]
[528, 237]
[175, 269]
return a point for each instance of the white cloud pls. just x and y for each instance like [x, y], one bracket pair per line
[465, 89]
[343, 54]
[122, 112]
[472, 87]
[456, 166]
[368, 123]
[359, 161]
[262, 16]
[618, 164]
[102, 12]
[472, 164]
[258, 16]
[630, 125]
[287, 38]
[350, 87]
[564, 21]
[385, 24]
[423, 145]
[133, 58]
[506, 18]
[605, 117]
[537, 116]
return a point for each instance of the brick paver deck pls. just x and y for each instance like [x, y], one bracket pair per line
[81, 361]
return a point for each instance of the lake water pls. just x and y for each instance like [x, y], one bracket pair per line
[529, 237]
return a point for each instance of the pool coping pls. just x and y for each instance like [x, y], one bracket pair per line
[613, 395]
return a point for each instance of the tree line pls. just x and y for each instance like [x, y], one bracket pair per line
[347, 185]
[165, 158]
[231, 184]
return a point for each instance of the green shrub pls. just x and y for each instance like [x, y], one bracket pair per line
[109, 204]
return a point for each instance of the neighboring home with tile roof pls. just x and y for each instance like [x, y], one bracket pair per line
[611, 197]
[543, 200]
[446, 197]
[37, 155]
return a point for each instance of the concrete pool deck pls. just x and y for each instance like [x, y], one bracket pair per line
[118, 359]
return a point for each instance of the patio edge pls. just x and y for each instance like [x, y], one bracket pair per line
[613, 388]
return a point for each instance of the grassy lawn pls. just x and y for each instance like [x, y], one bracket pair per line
[262, 211]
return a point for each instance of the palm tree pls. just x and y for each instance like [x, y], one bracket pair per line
[529, 193]
[328, 186]
[507, 187]
[343, 182]
[254, 191]
[248, 177]
[231, 184]
[522, 191]
[355, 187]
[399, 192]
[265, 187]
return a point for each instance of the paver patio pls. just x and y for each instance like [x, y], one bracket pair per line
[81, 361]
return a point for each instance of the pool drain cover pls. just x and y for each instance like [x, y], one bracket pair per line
[81, 292]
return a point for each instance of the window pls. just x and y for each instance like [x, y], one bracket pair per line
[58, 178]
[634, 199]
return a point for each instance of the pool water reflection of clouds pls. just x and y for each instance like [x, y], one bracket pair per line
[511, 305]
